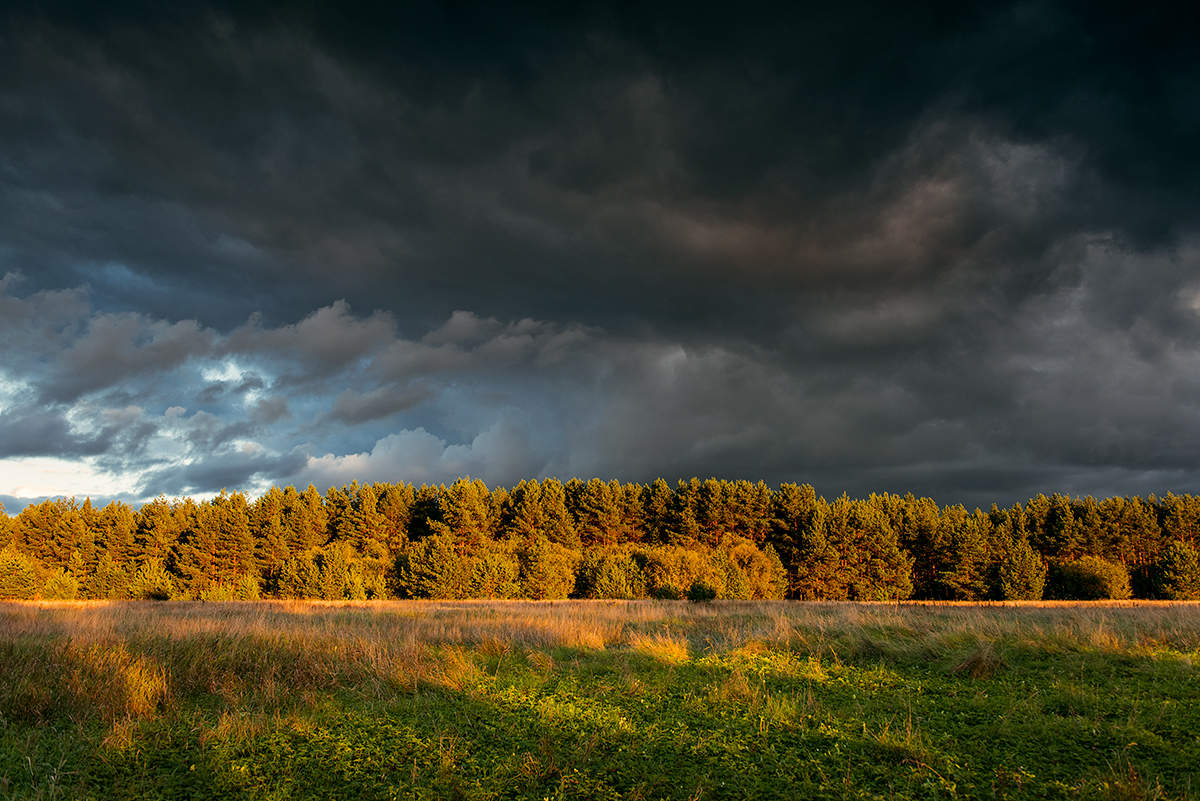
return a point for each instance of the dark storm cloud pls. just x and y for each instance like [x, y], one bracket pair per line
[953, 250]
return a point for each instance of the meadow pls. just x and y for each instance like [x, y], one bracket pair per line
[598, 699]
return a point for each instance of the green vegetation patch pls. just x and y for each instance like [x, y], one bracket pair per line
[602, 700]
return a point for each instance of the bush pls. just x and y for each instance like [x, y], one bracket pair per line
[1091, 578]
[547, 569]
[247, 588]
[152, 582]
[18, 575]
[60, 586]
[701, 591]
[216, 593]
[1179, 572]
[108, 580]
[610, 573]
[670, 571]
[494, 573]
[762, 571]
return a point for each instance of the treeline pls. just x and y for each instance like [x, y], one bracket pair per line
[597, 539]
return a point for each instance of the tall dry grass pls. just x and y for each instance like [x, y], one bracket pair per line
[118, 661]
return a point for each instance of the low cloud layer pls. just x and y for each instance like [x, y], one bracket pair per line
[958, 256]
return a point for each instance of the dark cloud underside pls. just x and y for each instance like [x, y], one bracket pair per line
[952, 250]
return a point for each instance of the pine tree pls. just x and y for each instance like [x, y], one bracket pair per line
[270, 532]
[5, 528]
[964, 566]
[557, 525]
[159, 526]
[394, 502]
[599, 512]
[466, 513]
[53, 530]
[1179, 572]
[657, 510]
[114, 530]
[426, 510]
[797, 532]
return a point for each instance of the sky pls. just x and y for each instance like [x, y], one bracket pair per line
[953, 251]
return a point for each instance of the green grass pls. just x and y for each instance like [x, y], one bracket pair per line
[598, 700]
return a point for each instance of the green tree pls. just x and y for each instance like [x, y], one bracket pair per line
[466, 513]
[270, 530]
[159, 525]
[53, 530]
[1021, 572]
[547, 569]
[1179, 572]
[797, 532]
[107, 580]
[18, 575]
[965, 564]
[432, 568]
[60, 585]
[598, 509]
[609, 572]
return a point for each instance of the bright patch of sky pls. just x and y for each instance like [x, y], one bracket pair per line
[38, 476]
[228, 370]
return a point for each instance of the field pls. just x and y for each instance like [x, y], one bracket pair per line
[648, 699]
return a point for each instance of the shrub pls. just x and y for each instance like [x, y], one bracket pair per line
[247, 588]
[216, 593]
[547, 569]
[494, 573]
[152, 582]
[732, 583]
[108, 580]
[670, 571]
[1091, 578]
[610, 573]
[60, 586]
[701, 591]
[1179, 572]
[763, 571]
[18, 575]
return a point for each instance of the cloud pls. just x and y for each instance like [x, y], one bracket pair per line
[351, 407]
[243, 466]
[879, 259]
[417, 456]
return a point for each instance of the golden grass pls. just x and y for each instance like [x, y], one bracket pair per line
[120, 661]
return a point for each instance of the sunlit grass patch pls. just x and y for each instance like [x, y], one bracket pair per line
[736, 700]
[666, 647]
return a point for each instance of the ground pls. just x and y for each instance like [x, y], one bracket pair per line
[598, 699]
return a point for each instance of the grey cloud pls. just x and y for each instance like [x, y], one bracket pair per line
[945, 252]
[31, 432]
[116, 348]
[231, 469]
[270, 410]
[352, 407]
[327, 341]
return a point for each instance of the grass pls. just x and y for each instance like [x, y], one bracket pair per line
[275, 700]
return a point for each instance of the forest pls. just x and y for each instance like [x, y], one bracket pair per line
[701, 539]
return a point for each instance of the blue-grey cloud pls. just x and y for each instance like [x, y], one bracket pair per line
[957, 253]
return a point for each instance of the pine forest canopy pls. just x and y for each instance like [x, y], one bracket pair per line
[596, 539]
